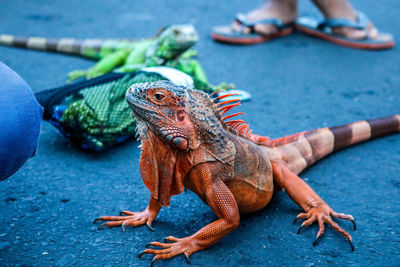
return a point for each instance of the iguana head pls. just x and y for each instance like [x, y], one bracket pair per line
[175, 40]
[180, 116]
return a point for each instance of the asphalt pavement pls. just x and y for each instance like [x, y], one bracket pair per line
[298, 83]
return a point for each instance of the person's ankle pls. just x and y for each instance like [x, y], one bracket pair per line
[336, 9]
[284, 9]
[351, 15]
[285, 6]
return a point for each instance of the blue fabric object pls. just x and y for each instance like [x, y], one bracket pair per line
[20, 119]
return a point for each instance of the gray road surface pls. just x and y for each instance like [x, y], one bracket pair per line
[298, 83]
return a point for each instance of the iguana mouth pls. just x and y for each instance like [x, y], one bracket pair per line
[140, 110]
[138, 106]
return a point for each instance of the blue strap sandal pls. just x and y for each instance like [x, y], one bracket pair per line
[323, 30]
[227, 35]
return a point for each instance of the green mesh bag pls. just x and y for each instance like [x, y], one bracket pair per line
[94, 114]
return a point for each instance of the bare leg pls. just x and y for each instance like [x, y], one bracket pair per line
[343, 9]
[285, 10]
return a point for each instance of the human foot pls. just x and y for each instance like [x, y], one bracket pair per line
[344, 26]
[284, 10]
[275, 18]
[341, 9]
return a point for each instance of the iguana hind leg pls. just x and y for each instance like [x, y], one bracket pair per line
[316, 210]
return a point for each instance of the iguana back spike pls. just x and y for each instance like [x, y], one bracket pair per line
[225, 109]
[239, 127]
[231, 116]
[234, 122]
[224, 96]
[227, 102]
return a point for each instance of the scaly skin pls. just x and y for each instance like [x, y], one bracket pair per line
[186, 142]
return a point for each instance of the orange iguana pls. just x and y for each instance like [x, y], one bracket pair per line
[188, 142]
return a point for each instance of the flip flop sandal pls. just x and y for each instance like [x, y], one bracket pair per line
[227, 35]
[323, 30]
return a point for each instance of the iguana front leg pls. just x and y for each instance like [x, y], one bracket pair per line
[315, 208]
[105, 65]
[222, 202]
[134, 218]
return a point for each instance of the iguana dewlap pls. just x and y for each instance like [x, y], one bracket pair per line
[187, 142]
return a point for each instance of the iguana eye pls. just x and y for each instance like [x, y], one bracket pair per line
[158, 96]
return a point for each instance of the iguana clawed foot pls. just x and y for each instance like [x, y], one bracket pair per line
[186, 246]
[322, 213]
[133, 219]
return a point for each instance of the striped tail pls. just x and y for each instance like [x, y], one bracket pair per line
[314, 145]
[90, 48]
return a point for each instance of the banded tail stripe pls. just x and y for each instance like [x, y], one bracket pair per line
[316, 144]
[63, 45]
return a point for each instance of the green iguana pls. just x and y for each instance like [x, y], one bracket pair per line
[170, 47]
[188, 141]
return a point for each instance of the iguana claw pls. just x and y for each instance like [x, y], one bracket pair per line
[351, 244]
[316, 240]
[153, 261]
[301, 227]
[150, 227]
[102, 226]
[187, 258]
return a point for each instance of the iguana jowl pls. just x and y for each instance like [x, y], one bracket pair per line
[188, 142]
